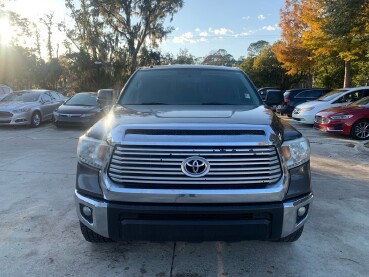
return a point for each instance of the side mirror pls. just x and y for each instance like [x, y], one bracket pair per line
[274, 97]
[105, 97]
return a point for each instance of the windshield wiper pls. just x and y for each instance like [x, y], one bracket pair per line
[149, 103]
[216, 103]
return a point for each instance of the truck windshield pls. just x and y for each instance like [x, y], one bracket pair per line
[189, 87]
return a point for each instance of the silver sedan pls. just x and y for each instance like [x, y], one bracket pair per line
[29, 107]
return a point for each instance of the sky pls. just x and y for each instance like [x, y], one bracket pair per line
[200, 26]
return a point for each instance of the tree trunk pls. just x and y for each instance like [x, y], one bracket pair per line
[347, 81]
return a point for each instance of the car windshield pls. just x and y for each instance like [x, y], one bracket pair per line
[332, 95]
[364, 102]
[189, 87]
[22, 96]
[82, 99]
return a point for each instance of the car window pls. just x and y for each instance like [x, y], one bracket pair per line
[308, 94]
[82, 99]
[54, 95]
[46, 97]
[350, 97]
[362, 102]
[189, 87]
[332, 95]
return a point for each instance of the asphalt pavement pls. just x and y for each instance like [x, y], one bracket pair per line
[40, 236]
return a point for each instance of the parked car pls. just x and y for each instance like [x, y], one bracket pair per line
[263, 91]
[293, 98]
[80, 109]
[4, 91]
[305, 113]
[192, 153]
[29, 107]
[352, 120]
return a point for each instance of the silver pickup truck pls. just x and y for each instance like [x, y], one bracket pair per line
[191, 153]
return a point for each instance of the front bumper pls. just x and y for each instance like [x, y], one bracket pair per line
[304, 117]
[193, 222]
[16, 119]
[67, 119]
[337, 127]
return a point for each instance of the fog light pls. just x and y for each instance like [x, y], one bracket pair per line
[301, 211]
[88, 212]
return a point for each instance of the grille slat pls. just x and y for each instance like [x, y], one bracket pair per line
[166, 154]
[151, 166]
[151, 160]
[116, 168]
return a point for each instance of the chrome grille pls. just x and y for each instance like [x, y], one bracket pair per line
[160, 166]
[5, 114]
[321, 119]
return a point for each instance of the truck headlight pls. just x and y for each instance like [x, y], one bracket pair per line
[92, 151]
[296, 152]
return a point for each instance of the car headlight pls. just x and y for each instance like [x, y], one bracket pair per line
[92, 152]
[343, 116]
[22, 110]
[88, 114]
[296, 152]
[306, 109]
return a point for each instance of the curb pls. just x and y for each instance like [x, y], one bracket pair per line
[361, 148]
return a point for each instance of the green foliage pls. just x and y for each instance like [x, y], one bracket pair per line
[255, 48]
[265, 70]
[219, 57]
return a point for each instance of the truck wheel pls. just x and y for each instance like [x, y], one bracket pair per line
[91, 236]
[293, 237]
[360, 130]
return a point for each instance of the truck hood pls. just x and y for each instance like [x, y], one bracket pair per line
[121, 118]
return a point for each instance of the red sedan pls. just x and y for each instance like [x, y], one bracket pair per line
[352, 120]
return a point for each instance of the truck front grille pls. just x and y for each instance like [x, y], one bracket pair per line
[138, 166]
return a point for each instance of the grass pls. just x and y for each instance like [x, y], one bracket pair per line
[367, 144]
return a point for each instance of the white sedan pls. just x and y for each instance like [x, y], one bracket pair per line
[305, 113]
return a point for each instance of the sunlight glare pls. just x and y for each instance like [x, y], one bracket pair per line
[5, 31]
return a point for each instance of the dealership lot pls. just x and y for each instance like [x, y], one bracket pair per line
[40, 236]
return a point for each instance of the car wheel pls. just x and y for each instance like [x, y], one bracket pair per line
[360, 130]
[35, 119]
[91, 236]
[293, 237]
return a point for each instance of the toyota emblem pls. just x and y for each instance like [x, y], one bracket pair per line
[195, 166]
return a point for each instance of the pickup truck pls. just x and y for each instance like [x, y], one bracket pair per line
[192, 153]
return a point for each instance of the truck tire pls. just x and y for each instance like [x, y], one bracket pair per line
[293, 237]
[91, 236]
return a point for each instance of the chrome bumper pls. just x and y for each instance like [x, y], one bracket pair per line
[100, 214]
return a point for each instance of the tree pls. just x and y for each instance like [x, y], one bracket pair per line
[291, 51]
[137, 22]
[219, 57]
[184, 57]
[49, 24]
[347, 37]
[255, 48]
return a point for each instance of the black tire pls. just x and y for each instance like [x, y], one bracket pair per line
[91, 236]
[360, 130]
[293, 237]
[36, 119]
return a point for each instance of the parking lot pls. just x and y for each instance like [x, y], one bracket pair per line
[40, 236]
